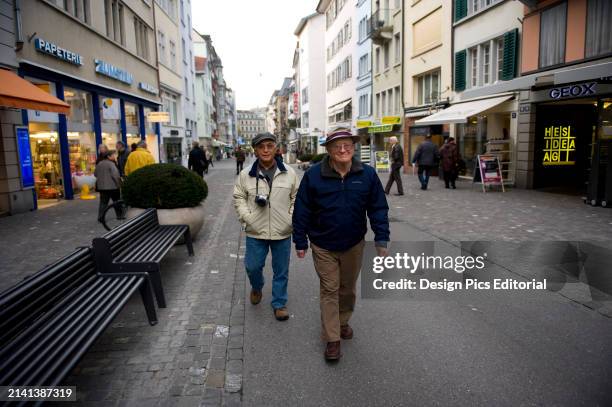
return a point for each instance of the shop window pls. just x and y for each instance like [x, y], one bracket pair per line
[80, 106]
[599, 29]
[46, 160]
[472, 141]
[552, 35]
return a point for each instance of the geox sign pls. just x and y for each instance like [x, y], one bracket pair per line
[574, 91]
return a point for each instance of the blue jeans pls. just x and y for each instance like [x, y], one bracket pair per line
[424, 178]
[255, 260]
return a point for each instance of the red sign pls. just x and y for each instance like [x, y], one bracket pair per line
[296, 103]
[490, 171]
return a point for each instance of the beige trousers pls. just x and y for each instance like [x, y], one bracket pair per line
[338, 273]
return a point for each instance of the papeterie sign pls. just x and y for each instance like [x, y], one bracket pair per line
[112, 71]
[58, 52]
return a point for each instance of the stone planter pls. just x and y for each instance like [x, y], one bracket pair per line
[193, 217]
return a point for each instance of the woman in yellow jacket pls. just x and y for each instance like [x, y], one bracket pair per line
[139, 158]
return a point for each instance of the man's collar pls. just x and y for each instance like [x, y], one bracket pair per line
[328, 171]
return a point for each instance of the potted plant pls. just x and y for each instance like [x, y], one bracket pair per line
[177, 193]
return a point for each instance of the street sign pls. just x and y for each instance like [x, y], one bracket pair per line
[158, 117]
[391, 120]
[363, 123]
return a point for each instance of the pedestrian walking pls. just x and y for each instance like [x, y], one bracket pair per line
[197, 160]
[122, 156]
[449, 156]
[108, 184]
[264, 195]
[397, 161]
[102, 153]
[139, 158]
[240, 158]
[426, 157]
[335, 198]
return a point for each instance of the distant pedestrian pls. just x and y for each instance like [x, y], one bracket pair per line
[264, 195]
[197, 160]
[210, 157]
[279, 155]
[335, 199]
[397, 161]
[122, 156]
[102, 152]
[108, 184]
[240, 158]
[449, 156]
[139, 158]
[426, 157]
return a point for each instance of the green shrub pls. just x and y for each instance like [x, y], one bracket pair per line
[318, 157]
[305, 157]
[164, 186]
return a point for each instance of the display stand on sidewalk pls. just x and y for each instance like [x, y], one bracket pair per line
[487, 171]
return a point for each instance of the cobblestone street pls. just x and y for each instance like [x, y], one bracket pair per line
[207, 351]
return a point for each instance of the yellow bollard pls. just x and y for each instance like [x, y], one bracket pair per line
[85, 193]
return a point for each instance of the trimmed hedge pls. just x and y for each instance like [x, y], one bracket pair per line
[305, 157]
[164, 186]
[318, 157]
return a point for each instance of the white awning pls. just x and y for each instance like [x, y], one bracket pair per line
[459, 112]
[338, 107]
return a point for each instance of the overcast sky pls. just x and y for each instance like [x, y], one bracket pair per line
[255, 41]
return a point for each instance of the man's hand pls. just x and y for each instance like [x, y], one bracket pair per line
[382, 251]
[301, 253]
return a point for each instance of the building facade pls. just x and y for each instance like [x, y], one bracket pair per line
[188, 71]
[310, 81]
[340, 47]
[387, 42]
[362, 61]
[427, 70]
[205, 109]
[102, 63]
[249, 124]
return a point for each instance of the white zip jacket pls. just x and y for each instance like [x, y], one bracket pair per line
[273, 221]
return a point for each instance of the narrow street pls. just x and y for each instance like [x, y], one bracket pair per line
[212, 347]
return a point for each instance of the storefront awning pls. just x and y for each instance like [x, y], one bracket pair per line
[459, 112]
[339, 107]
[18, 93]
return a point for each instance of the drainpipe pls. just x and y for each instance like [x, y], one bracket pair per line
[18, 27]
[402, 85]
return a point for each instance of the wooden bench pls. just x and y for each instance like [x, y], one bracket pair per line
[49, 320]
[139, 245]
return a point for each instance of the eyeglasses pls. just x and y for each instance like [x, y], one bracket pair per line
[343, 146]
[265, 146]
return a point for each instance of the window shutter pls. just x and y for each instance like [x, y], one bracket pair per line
[510, 52]
[460, 70]
[460, 9]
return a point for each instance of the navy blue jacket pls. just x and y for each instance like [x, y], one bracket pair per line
[331, 211]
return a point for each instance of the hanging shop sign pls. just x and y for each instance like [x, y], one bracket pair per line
[158, 117]
[391, 120]
[380, 129]
[559, 146]
[106, 69]
[111, 109]
[25, 157]
[58, 52]
[382, 161]
[363, 123]
[147, 87]
[574, 91]
[296, 103]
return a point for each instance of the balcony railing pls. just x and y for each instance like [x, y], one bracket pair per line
[381, 26]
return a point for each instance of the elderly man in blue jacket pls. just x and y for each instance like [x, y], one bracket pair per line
[331, 206]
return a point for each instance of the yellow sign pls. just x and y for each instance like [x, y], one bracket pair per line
[363, 123]
[559, 146]
[382, 161]
[391, 120]
[158, 117]
[380, 129]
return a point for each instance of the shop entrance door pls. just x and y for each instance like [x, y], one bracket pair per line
[173, 151]
[564, 137]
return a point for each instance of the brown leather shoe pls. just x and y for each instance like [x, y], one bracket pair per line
[255, 297]
[332, 351]
[281, 314]
[346, 332]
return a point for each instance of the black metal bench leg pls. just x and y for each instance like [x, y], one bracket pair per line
[157, 287]
[149, 303]
[188, 242]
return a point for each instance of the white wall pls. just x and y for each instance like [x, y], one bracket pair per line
[363, 83]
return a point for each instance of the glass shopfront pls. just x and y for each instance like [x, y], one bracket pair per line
[132, 123]
[81, 139]
[151, 135]
[471, 139]
[110, 119]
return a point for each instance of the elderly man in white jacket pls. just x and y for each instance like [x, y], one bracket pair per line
[264, 195]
